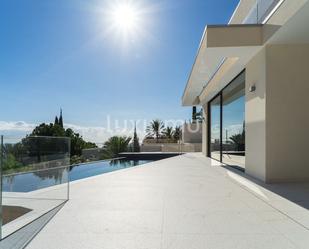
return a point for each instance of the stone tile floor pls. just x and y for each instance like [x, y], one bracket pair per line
[184, 202]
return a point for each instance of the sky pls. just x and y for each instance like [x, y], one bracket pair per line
[233, 116]
[73, 55]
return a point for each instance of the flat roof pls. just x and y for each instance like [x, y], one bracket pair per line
[225, 50]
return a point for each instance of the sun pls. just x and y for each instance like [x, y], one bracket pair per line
[126, 22]
[125, 17]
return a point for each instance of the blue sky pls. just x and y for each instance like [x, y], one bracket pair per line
[57, 53]
[233, 116]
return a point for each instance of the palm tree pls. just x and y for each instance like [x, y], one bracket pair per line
[177, 133]
[155, 128]
[115, 145]
[239, 141]
[168, 132]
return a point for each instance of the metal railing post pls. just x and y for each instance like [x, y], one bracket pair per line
[1, 165]
[257, 12]
[68, 170]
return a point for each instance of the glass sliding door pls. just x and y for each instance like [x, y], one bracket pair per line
[215, 128]
[233, 122]
[227, 124]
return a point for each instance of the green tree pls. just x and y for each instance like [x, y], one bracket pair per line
[239, 141]
[49, 130]
[10, 162]
[177, 133]
[61, 119]
[56, 120]
[115, 145]
[33, 148]
[136, 146]
[77, 141]
[155, 129]
[168, 133]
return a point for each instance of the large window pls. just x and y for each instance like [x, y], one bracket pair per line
[215, 128]
[227, 124]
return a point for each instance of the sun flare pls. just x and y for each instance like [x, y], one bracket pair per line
[125, 17]
[126, 22]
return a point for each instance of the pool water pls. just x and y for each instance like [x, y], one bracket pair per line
[87, 170]
[27, 182]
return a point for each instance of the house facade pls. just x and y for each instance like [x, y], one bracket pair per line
[251, 77]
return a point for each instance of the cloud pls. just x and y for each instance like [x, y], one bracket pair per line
[234, 129]
[96, 134]
[99, 134]
[16, 126]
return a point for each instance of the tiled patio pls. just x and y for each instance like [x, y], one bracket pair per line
[185, 202]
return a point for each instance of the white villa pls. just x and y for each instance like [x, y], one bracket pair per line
[247, 189]
[251, 77]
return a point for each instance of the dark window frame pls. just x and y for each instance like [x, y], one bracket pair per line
[220, 93]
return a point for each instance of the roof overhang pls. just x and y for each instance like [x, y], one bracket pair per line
[221, 47]
[226, 50]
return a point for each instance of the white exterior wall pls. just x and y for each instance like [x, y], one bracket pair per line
[277, 119]
[287, 114]
[255, 117]
[276, 115]
[192, 133]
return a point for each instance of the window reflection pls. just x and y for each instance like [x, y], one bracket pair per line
[231, 150]
[215, 127]
[233, 123]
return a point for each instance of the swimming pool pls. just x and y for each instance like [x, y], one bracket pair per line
[92, 169]
[26, 182]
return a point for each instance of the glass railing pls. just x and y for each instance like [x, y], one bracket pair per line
[260, 11]
[34, 179]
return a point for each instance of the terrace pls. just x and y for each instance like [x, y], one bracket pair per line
[186, 201]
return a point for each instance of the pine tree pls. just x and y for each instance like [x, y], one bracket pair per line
[56, 120]
[60, 119]
[136, 147]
